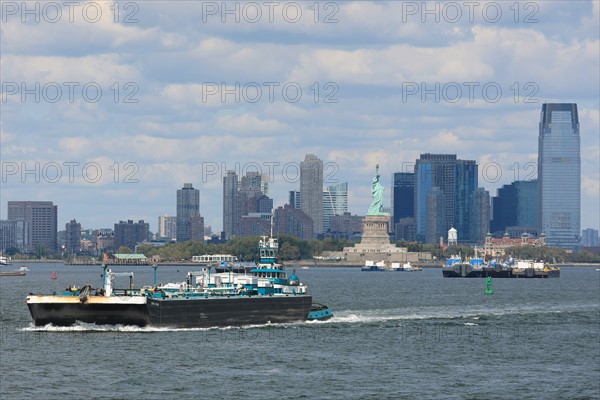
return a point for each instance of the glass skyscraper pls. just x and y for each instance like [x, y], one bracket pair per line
[559, 175]
[311, 190]
[403, 196]
[188, 205]
[457, 179]
[516, 205]
[335, 202]
[230, 204]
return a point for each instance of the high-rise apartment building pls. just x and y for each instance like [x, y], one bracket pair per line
[230, 204]
[188, 205]
[73, 237]
[129, 234]
[167, 227]
[311, 190]
[559, 175]
[41, 218]
[249, 193]
[335, 202]
[292, 221]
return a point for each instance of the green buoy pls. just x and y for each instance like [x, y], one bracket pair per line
[488, 285]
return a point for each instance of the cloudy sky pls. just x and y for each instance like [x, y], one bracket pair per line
[109, 107]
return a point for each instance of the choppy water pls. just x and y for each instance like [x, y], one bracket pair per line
[394, 335]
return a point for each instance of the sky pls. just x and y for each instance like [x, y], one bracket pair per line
[107, 108]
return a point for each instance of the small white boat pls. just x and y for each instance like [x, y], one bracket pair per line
[24, 268]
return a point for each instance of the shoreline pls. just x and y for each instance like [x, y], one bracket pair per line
[298, 263]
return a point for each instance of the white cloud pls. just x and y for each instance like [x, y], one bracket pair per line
[179, 125]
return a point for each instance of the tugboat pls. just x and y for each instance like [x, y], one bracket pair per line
[265, 295]
[105, 305]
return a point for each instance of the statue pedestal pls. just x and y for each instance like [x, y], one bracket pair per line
[375, 245]
[375, 231]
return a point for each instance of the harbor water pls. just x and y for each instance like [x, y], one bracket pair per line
[395, 335]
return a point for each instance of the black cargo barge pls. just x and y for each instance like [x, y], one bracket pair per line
[232, 311]
[466, 270]
[65, 311]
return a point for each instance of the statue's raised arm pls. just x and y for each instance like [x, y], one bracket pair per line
[377, 189]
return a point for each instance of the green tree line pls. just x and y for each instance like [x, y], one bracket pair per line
[245, 248]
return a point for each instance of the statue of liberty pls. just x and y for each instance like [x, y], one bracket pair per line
[376, 207]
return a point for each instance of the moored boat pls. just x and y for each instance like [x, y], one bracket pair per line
[374, 266]
[406, 267]
[5, 260]
[476, 268]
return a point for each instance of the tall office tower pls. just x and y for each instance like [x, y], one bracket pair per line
[559, 174]
[167, 227]
[129, 234]
[73, 237]
[230, 204]
[335, 202]
[403, 196]
[311, 190]
[516, 205]
[188, 205]
[466, 184]
[294, 199]
[436, 216]
[479, 218]
[589, 237]
[457, 179]
[41, 217]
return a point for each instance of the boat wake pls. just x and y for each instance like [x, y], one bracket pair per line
[87, 327]
[473, 314]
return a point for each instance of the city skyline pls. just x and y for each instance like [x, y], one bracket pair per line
[379, 86]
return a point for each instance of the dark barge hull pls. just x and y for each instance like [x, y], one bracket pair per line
[66, 313]
[233, 311]
[494, 273]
